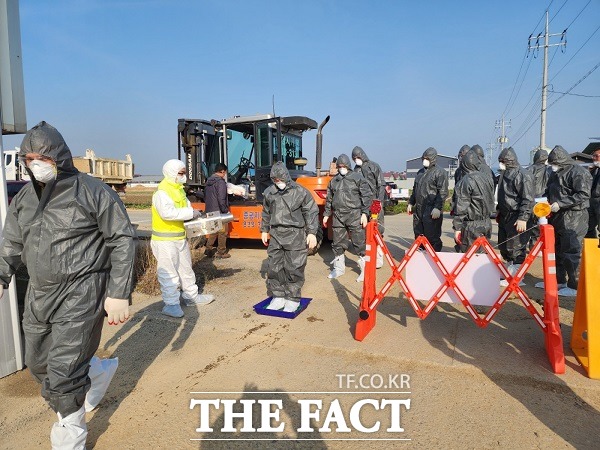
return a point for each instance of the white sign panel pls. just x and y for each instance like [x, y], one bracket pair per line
[479, 280]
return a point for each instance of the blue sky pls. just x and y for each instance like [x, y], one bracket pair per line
[395, 76]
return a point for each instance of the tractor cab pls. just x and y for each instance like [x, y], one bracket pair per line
[248, 145]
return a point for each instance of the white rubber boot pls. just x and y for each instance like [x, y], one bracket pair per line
[101, 372]
[540, 284]
[201, 299]
[512, 269]
[361, 264]
[379, 258]
[276, 303]
[70, 432]
[291, 306]
[339, 266]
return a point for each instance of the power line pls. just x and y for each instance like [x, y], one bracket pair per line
[575, 54]
[576, 95]
[577, 16]
[576, 84]
[556, 13]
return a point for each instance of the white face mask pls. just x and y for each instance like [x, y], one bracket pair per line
[426, 163]
[555, 168]
[502, 166]
[343, 171]
[280, 185]
[358, 162]
[180, 179]
[42, 171]
[597, 163]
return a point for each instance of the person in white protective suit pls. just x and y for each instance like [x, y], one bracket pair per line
[170, 208]
[73, 234]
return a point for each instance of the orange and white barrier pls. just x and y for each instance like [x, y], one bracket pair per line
[548, 322]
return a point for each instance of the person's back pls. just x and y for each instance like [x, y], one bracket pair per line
[541, 172]
[215, 193]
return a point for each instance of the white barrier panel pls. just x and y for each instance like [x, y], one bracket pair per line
[479, 280]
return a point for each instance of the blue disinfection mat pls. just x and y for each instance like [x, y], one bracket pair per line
[261, 308]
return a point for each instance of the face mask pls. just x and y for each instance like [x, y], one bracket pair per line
[180, 179]
[502, 166]
[555, 168]
[546, 162]
[343, 171]
[280, 185]
[597, 163]
[42, 171]
[358, 162]
[426, 163]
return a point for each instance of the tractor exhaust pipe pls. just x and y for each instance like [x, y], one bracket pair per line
[319, 155]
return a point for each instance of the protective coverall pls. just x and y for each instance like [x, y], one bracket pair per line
[77, 242]
[374, 176]
[569, 196]
[540, 171]
[484, 168]
[594, 209]
[458, 174]
[290, 214]
[427, 200]
[170, 208]
[515, 205]
[474, 203]
[348, 200]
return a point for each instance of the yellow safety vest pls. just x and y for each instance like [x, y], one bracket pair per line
[169, 230]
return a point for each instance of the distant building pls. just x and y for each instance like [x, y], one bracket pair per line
[145, 181]
[448, 163]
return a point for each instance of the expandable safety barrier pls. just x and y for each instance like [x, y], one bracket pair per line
[549, 322]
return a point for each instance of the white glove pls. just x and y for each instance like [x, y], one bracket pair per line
[1, 291]
[311, 241]
[409, 209]
[435, 213]
[117, 310]
[554, 207]
[363, 220]
[521, 225]
[196, 215]
[325, 219]
[458, 237]
[264, 237]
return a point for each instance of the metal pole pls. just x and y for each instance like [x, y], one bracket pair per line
[544, 89]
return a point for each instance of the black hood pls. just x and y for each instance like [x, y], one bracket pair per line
[509, 157]
[431, 155]
[358, 152]
[44, 139]
[463, 151]
[559, 157]
[541, 156]
[478, 151]
[343, 160]
[280, 172]
[470, 162]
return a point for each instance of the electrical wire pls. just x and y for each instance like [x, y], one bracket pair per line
[575, 54]
[576, 84]
[556, 13]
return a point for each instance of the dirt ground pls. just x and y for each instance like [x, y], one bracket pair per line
[468, 387]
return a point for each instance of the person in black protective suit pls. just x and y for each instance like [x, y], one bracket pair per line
[484, 168]
[540, 172]
[291, 217]
[594, 209]
[374, 176]
[458, 174]
[348, 200]
[427, 199]
[569, 188]
[73, 234]
[474, 203]
[515, 205]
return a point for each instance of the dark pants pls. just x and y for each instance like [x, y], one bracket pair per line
[424, 225]
[569, 231]
[287, 253]
[512, 244]
[473, 229]
[221, 238]
[346, 224]
[62, 326]
[593, 213]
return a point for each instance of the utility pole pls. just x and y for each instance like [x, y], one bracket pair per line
[502, 125]
[536, 46]
[490, 149]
